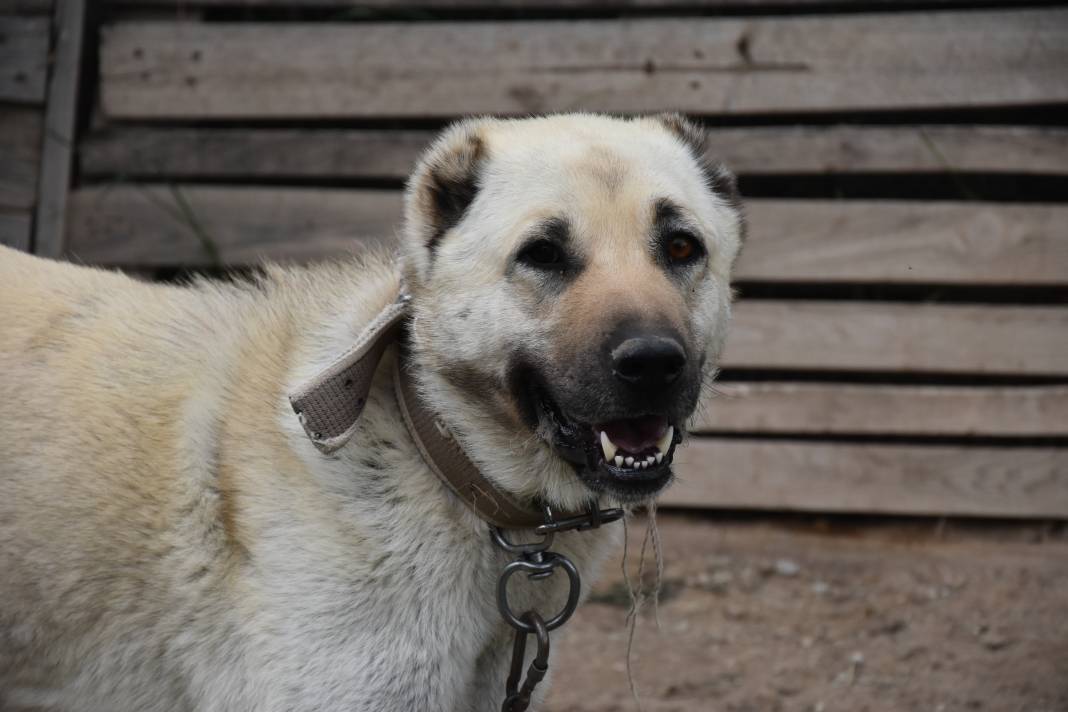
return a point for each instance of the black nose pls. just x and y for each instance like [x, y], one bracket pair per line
[648, 362]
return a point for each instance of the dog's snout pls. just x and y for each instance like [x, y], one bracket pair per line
[648, 362]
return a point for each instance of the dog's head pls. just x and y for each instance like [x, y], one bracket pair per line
[570, 284]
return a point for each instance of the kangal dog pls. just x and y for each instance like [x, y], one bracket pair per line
[171, 539]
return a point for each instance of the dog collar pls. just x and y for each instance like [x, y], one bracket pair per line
[329, 407]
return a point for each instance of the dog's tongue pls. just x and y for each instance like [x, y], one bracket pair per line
[636, 434]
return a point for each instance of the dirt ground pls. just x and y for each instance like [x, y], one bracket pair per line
[783, 615]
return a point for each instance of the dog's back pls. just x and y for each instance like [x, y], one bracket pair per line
[97, 371]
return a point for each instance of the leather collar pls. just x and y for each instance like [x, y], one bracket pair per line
[329, 406]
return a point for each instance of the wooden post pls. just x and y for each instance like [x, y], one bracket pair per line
[59, 137]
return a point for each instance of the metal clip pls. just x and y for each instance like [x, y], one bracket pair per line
[592, 519]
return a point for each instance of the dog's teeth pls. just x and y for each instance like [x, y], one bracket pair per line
[659, 457]
[642, 465]
[608, 447]
[619, 461]
[629, 461]
[665, 442]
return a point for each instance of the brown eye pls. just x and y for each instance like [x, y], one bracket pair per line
[682, 248]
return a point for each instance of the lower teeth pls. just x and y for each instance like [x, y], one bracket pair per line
[631, 463]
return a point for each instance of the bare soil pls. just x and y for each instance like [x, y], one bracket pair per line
[792, 614]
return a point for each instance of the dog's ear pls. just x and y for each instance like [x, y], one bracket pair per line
[693, 136]
[440, 191]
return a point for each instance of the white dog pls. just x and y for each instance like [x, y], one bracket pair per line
[171, 538]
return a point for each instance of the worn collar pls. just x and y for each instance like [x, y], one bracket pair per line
[329, 406]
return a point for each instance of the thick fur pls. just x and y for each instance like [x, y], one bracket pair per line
[169, 537]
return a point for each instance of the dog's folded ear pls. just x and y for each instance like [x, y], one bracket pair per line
[442, 188]
[720, 180]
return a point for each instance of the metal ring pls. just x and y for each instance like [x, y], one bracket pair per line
[541, 634]
[551, 562]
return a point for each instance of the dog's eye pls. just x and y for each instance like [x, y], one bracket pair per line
[543, 254]
[682, 248]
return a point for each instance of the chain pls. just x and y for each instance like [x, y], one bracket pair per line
[517, 699]
[538, 562]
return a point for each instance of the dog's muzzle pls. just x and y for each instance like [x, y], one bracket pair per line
[616, 413]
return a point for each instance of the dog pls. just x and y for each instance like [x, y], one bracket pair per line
[172, 539]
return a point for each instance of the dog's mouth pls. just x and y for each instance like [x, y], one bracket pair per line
[628, 457]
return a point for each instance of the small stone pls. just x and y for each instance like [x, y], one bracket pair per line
[892, 627]
[787, 567]
[992, 640]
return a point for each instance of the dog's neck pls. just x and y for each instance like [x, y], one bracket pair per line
[329, 406]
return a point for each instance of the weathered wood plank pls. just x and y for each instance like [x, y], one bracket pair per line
[253, 153]
[883, 479]
[879, 336]
[798, 241]
[20, 149]
[23, 59]
[184, 225]
[177, 153]
[903, 242]
[891, 149]
[704, 66]
[25, 7]
[845, 409]
[15, 230]
[59, 139]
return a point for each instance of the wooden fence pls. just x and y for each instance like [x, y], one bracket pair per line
[901, 341]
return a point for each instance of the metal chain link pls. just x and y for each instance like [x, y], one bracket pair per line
[518, 697]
